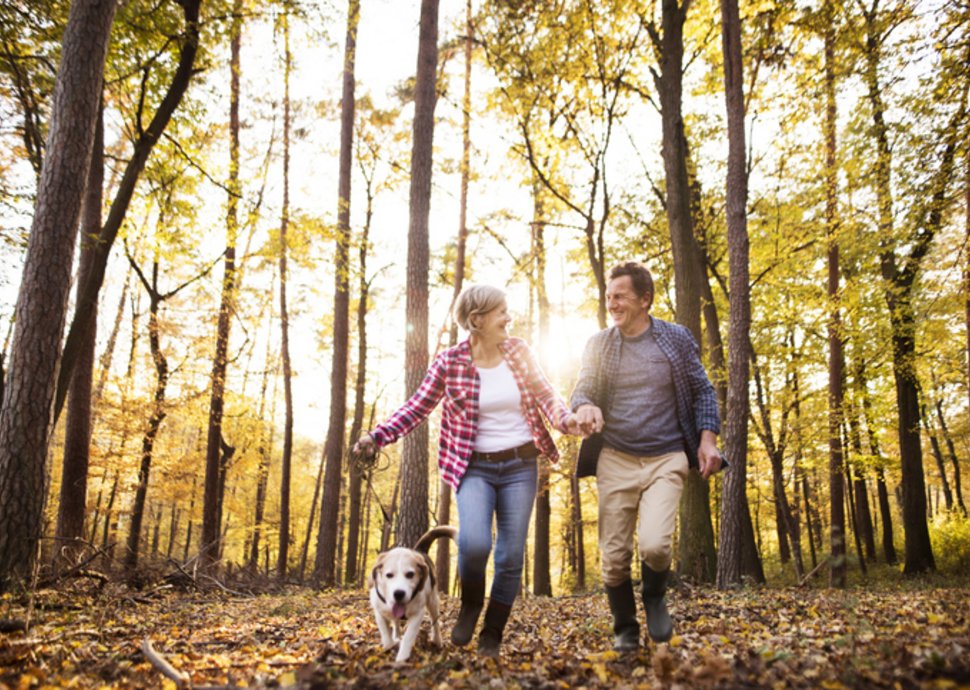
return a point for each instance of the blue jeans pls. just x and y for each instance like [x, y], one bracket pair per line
[506, 490]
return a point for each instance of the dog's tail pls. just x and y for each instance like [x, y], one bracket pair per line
[424, 543]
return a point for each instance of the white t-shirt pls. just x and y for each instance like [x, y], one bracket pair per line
[501, 424]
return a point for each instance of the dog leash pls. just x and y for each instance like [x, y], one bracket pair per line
[367, 464]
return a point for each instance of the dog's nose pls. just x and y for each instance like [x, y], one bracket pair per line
[399, 594]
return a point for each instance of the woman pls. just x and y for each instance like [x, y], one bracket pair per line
[491, 435]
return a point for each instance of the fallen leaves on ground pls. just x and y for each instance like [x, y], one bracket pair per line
[750, 638]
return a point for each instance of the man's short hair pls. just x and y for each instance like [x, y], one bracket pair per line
[639, 276]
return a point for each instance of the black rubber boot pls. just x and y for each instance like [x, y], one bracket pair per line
[623, 605]
[472, 600]
[490, 638]
[659, 624]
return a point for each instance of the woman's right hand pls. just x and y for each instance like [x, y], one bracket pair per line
[366, 445]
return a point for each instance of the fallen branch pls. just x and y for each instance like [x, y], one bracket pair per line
[822, 564]
[182, 680]
[166, 669]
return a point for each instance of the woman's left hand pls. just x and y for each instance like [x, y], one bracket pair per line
[573, 426]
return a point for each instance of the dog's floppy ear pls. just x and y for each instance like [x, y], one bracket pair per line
[378, 567]
[425, 570]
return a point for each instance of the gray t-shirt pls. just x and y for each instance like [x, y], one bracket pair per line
[642, 417]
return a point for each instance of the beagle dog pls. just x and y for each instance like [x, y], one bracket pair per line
[403, 589]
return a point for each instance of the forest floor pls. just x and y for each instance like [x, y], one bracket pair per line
[906, 636]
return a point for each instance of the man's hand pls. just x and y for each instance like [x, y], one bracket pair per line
[366, 446]
[708, 456]
[590, 419]
[572, 425]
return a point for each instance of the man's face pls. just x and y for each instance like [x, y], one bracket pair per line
[629, 311]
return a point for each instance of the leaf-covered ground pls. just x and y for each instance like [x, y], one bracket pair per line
[753, 638]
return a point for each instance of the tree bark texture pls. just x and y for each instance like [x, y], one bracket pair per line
[355, 550]
[211, 506]
[325, 573]
[286, 460]
[836, 455]
[734, 511]
[146, 139]
[443, 553]
[35, 355]
[413, 516]
[696, 544]
[77, 433]
[154, 424]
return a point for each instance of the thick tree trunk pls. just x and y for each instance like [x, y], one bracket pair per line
[413, 520]
[286, 461]
[211, 509]
[88, 292]
[77, 434]
[324, 571]
[697, 554]
[735, 546]
[35, 355]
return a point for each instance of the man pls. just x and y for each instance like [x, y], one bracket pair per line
[643, 390]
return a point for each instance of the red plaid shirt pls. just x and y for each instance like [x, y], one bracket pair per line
[453, 376]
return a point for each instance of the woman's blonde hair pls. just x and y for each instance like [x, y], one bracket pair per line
[475, 301]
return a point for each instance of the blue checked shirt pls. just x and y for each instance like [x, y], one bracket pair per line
[696, 399]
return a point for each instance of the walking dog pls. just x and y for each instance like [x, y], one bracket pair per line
[403, 589]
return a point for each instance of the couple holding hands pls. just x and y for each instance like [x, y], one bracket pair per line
[647, 412]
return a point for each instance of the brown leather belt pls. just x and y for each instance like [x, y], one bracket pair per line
[526, 450]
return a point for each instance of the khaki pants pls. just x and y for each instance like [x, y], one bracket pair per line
[628, 484]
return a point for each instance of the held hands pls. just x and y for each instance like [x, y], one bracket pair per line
[590, 419]
[708, 456]
[366, 446]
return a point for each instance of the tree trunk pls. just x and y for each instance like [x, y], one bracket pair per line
[443, 554]
[863, 514]
[579, 541]
[264, 451]
[77, 434]
[952, 453]
[309, 525]
[154, 423]
[542, 575]
[324, 573]
[146, 138]
[696, 544]
[937, 455]
[413, 516]
[286, 460]
[898, 282]
[211, 509]
[356, 469]
[836, 485]
[733, 542]
[35, 355]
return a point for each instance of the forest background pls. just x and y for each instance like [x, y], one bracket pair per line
[282, 209]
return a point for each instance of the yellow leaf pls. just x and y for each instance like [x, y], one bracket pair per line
[676, 641]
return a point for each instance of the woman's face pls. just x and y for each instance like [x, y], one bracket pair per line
[493, 325]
